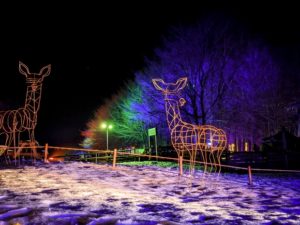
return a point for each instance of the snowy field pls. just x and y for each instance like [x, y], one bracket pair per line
[86, 193]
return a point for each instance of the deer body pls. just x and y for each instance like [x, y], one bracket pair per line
[13, 122]
[207, 139]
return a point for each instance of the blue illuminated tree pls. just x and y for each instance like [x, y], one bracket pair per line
[233, 83]
[229, 77]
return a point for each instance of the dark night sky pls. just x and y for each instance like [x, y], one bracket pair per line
[95, 48]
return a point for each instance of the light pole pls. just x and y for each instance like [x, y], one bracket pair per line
[107, 127]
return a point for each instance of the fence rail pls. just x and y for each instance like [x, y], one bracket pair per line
[114, 153]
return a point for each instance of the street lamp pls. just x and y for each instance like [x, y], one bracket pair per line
[107, 127]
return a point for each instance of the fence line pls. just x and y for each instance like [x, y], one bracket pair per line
[170, 158]
[46, 147]
[80, 149]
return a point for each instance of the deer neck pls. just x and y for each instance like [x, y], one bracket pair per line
[173, 113]
[33, 99]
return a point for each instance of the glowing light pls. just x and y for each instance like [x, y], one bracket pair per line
[107, 127]
[186, 136]
[13, 122]
[246, 147]
[104, 125]
[231, 147]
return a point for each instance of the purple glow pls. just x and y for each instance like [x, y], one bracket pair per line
[73, 193]
[234, 84]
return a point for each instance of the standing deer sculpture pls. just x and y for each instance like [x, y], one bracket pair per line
[14, 122]
[207, 139]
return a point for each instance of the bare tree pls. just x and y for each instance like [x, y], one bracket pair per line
[233, 83]
[229, 77]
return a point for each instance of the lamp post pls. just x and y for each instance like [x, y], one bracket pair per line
[107, 127]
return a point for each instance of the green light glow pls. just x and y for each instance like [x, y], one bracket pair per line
[106, 126]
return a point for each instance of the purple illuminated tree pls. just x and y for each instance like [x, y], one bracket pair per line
[207, 55]
[233, 83]
[231, 80]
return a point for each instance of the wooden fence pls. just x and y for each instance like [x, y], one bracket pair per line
[43, 154]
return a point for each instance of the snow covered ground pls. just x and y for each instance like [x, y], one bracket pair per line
[86, 193]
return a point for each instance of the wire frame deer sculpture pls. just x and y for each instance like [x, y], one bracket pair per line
[209, 140]
[14, 122]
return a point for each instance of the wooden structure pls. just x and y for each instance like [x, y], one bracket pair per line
[209, 140]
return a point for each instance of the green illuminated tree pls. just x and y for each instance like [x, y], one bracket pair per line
[128, 127]
[123, 112]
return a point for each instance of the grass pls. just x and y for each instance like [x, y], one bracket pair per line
[163, 164]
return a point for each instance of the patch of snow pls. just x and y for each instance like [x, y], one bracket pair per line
[90, 194]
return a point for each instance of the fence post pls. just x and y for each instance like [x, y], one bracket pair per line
[115, 158]
[46, 153]
[249, 175]
[33, 152]
[180, 165]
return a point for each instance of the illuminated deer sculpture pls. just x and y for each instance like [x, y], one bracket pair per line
[207, 139]
[14, 122]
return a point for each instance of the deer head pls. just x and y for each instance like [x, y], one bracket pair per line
[34, 79]
[171, 89]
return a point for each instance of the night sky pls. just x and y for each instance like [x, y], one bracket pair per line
[94, 49]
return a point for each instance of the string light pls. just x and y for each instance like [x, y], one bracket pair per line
[209, 140]
[14, 122]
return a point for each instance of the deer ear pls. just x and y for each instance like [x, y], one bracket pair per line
[159, 84]
[181, 83]
[23, 69]
[182, 102]
[45, 71]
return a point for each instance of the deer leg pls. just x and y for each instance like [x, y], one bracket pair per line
[190, 168]
[31, 135]
[6, 139]
[210, 160]
[7, 144]
[179, 154]
[219, 159]
[204, 160]
[12, 143]
[216, 160]
[192, 162]
[19, 150]
[195, 154]
[33, 150]
[32, 144]
[5, 154]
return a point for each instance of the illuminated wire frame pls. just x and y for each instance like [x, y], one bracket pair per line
[207, 139]
[14, 122]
